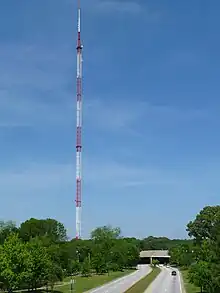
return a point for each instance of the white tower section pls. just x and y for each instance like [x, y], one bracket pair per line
[78, 129]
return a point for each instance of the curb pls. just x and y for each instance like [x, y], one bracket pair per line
[182, 283]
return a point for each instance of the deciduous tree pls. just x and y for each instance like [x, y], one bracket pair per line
[14, 261]
[49, 228]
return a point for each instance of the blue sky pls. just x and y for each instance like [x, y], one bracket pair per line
[151, 120]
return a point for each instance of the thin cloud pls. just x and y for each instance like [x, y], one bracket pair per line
[126, 7]
[102, 114]
[110, 116]
[125, 115]
[34, 176]
[22, 111]
[35, 67]
[173, 113]
[34, 94]
[120, 6]
[114, 174]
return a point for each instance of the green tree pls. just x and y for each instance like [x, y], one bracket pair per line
[155, 262]
[205, 224]
[75, 267]
[117, 256]
[205, 230]
[64, 254]
[124, 254]
[155, 243]
[45, 228]
[181, 255]
[86, 267]
[161, 243]
[105, 233]
[54, 273]
[200, 274]
[40, 265]
[132, 255]
[103, 242]
[14, 262]
[6, 228]
[99, 263]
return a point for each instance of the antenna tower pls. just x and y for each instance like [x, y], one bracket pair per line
[78, 126]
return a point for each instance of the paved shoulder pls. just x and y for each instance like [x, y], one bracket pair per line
[165, 282]
[122, 284]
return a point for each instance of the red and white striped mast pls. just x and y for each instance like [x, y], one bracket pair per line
[78, 127]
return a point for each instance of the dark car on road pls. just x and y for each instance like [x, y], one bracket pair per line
[173, 273]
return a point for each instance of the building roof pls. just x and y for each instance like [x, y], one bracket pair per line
[154, 253]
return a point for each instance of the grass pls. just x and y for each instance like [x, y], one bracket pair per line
[83, 284]
[190, 288]
[143, 284]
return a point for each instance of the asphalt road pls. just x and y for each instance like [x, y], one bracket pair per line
[165, 282]
[122, 284]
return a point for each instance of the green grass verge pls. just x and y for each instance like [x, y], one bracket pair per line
[143, 284]
[189, 288]
[83, 284]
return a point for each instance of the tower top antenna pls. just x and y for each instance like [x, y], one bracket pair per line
[79, 20]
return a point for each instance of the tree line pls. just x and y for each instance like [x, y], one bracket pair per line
[201, 256]
[39, 253]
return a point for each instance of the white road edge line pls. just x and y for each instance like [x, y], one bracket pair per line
[180, 281]
[111, 283]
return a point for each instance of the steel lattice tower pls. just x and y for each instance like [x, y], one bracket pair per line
[78, 126]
